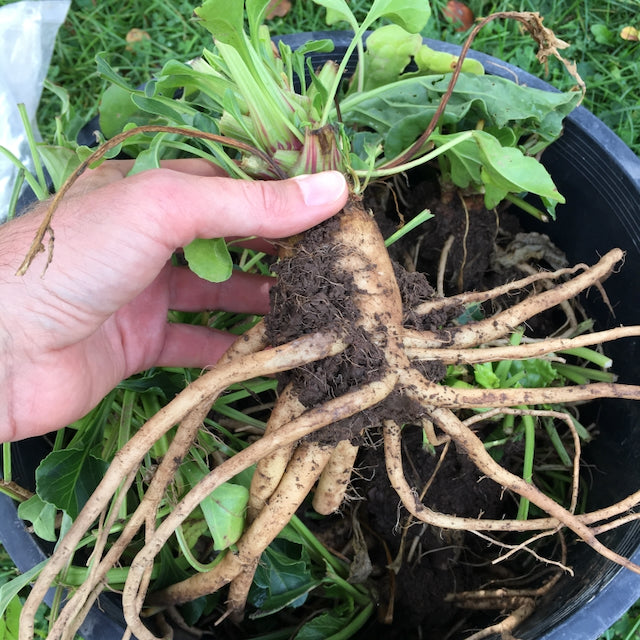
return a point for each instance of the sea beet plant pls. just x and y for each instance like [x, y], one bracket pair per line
[260, 111]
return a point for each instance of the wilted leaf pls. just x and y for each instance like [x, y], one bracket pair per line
[630, 33]
[134, 37]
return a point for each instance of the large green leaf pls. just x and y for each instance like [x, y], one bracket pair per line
[482, 162]
[67, 478]
[402, 110]
[508, 169]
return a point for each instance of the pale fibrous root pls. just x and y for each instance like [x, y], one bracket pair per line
[290, 461]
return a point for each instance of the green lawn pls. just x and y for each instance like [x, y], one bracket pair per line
[609, 64]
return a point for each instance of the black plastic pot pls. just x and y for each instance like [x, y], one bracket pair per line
[600, 178]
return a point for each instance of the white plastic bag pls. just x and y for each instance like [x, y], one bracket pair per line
[27, 35]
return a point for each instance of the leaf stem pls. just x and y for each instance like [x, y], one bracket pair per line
[529, 450]
[384, 172]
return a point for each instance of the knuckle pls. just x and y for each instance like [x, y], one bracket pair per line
[264, 197]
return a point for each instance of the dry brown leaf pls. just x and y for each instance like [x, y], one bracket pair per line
[630, 33]
[278, 9]
[135, 36]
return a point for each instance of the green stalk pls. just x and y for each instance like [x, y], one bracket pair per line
[582, 375]
[190, 558]
[116, 577]
[557, 443]
[33, 148]
[590, 355]
[311, 541]
[352, 590]
[423, 216]
[527, 207]
[6, 462]
[40, 192]
[124, 433]
[333, 90]
[382, 173]
[527, 467]
[15, 193]
[354, 625]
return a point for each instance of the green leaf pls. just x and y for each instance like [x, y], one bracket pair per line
[485, 376]
[41, 515]
[430, 61]
[67, 478]
[389, 52]
[60, 162]
[602, 34]
[11, 589]
[117, 109]
[10, 621]
[322, 626]
[283, 575]
[401, 111]
[508, 169]
[105, 70]
[294, 597]
[225, 26]
[209, 259]
[223, 509]
[173, 111]
[338, 10]
[411, 15]
[256, 10]
[538, 372]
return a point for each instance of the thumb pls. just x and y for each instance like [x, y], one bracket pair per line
[211, 207]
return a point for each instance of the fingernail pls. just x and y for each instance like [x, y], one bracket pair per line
[321, 188]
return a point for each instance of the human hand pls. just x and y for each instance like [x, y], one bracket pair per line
[99, 313]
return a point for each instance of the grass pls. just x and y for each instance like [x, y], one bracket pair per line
[609, 65]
